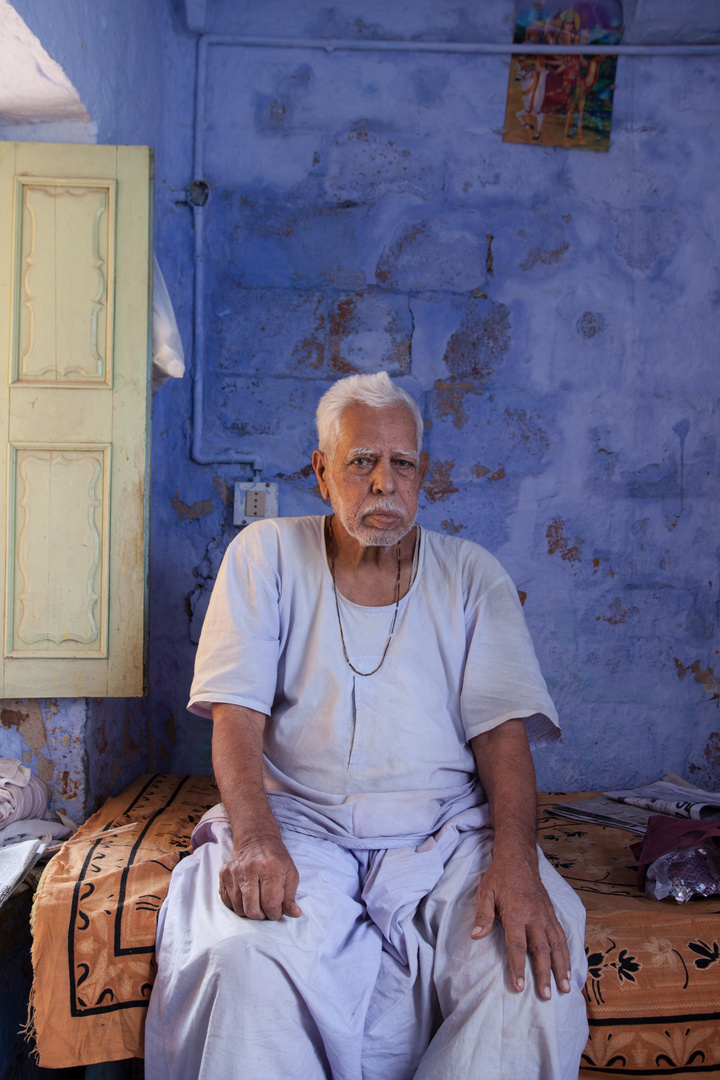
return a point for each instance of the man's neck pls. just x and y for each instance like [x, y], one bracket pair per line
[367, 574]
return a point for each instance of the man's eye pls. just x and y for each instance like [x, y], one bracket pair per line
[361, 461]
[403, 464]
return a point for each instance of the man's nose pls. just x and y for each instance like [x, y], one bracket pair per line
[383, 478]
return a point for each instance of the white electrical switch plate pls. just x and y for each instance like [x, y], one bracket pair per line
[254, 500]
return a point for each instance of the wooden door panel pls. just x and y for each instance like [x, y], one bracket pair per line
[75, 291]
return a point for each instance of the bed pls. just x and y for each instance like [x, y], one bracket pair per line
[653, 986]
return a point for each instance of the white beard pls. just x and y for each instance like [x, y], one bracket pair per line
[366, 534]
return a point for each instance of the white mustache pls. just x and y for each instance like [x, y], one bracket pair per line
[383, 508]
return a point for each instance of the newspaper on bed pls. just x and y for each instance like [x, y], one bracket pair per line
[603, 811]
[630, 808]
[672, 795]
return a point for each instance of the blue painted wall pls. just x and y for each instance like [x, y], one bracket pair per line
[554, 313]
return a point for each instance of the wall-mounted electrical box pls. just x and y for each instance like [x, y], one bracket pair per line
[253, 500]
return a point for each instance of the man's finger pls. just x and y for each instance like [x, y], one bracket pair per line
[231, 897]
[517, 950]
[250, 891]
[271, 895]
[560, 954]
[289, 906]
[539, 950]
[484, 915]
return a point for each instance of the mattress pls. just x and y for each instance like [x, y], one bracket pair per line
[653, 987]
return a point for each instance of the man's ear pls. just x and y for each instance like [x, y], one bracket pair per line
[320, 465]
[424, 465]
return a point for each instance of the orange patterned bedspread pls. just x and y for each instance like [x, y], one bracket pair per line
[653, 988]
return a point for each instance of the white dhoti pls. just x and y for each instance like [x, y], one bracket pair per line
[379, 978]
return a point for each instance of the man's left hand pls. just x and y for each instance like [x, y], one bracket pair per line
[514, 893]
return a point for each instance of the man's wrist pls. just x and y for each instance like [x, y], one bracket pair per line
[256, 829]
[516, 852]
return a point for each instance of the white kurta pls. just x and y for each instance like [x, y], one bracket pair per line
[385, 756]
[376, 792]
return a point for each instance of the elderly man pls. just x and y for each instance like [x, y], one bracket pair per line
[369, 903]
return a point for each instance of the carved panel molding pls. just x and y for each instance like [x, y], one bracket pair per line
[63, 282]
[59, 536]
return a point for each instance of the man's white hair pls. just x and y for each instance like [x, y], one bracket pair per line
[378, 391]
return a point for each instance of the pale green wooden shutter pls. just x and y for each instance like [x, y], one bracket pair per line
[75, 280]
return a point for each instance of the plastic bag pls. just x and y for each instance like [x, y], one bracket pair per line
[168, 358]
[684, 873]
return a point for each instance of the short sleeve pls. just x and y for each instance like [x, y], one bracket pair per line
[502, 679]
[237, 656]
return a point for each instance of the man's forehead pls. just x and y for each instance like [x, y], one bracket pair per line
[392, 421]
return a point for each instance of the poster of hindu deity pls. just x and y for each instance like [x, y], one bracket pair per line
[563, 100]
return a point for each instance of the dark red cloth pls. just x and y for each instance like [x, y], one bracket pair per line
[665, 833]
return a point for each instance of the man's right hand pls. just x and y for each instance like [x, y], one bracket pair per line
[261, 880]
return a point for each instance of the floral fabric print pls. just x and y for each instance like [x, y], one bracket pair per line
[653, 985]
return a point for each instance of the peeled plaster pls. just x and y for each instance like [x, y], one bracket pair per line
[49, 737]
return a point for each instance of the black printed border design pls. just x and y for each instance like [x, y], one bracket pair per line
[75, 1008]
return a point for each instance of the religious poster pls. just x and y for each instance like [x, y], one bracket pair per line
[564, 99]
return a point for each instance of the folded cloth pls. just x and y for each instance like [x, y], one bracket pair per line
[666, 834]
[15, 862]
[33, 829]
[22, 795]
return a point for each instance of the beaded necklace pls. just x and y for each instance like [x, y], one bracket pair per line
[331, 552]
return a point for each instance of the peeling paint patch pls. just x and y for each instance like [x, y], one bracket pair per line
[224, 488]
[26, 717]
[451, 527]
[10, 718]
[481, 340]
[591, 324]
[523, 597]
[363, 165]
[540, 256]
[558, 542]
[309, 352]
[642, 234]
[439, 485]
[191, 513]
[499, 474]
[449, 400]
[479, 470]
[705, 678]
[367, 330]
[617, 615]
[392, 255]
[712, 751]
[526, 429]
[300, 474]
[67, 786]
[443, 252]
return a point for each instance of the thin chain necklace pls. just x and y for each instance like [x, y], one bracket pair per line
[331, 546]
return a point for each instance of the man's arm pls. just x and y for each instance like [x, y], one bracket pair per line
[512, 889]
[260, 880]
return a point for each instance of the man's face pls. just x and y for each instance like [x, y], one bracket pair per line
[374, 477]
